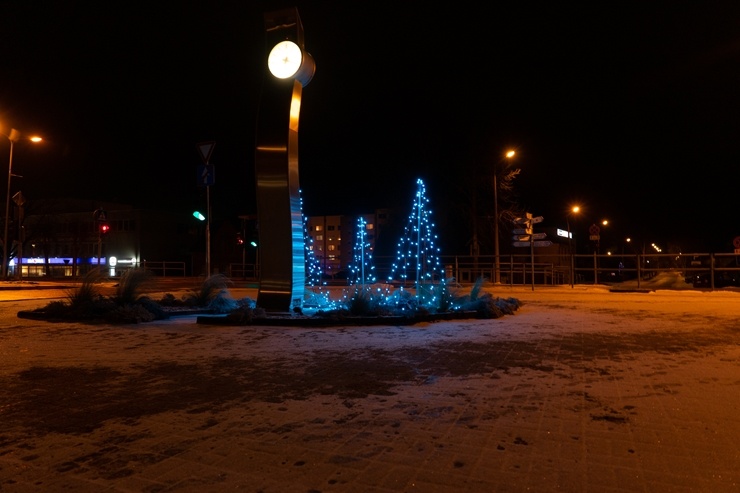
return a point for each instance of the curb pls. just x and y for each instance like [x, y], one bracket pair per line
[300, 321]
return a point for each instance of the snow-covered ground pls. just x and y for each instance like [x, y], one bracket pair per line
[582, 389]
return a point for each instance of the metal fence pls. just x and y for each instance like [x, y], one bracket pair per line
[701, 270]
[166, 269]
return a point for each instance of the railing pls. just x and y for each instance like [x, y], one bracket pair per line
[165, 269]
[248, 272]
[701, 270]
[705, 270]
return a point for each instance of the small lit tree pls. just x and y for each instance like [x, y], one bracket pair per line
[362, 270]
[313, 267]
[417, 255]
[319, 296]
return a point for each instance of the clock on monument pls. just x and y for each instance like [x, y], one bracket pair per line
[287, 60]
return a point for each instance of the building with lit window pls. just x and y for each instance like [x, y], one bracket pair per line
[60, 238]
[68, 238]
[332, 238]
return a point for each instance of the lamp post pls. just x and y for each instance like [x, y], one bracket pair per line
[13, 138]
[574, 210]
[496, 258]
[596, 236]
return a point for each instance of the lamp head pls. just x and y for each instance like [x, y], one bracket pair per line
[15, 136]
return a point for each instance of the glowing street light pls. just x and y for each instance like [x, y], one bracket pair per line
[14, 137]
[497, 261]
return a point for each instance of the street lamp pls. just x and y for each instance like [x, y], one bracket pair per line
[13, 138]
[497, 261]
[574, 210]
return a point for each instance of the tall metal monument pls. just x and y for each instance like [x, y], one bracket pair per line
[287, 70]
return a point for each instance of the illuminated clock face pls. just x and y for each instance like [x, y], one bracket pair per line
[284, 59]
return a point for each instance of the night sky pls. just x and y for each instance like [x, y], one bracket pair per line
[629, 109]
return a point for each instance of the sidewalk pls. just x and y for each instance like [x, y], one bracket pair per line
[581, 390]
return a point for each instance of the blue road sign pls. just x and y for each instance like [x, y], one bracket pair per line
[206, 175]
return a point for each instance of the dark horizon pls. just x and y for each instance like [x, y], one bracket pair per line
[628, 112]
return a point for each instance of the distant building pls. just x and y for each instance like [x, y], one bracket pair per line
[333, 237]
[69, 237]
[62, 238]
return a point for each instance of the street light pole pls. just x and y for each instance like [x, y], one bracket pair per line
[208, 231]
[13, 137]
[573, 210]
[496, 256]
[570, 253]
[496, 260]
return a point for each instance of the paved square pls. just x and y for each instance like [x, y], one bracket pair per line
[580, 390]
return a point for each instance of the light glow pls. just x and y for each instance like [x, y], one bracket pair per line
[284, 59]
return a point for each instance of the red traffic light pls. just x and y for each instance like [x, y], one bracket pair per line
[104, 228]
[239, 239]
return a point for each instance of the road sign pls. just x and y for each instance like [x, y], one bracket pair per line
[530, 237]
[594, 230]
[206, 175]
[19, 199]
[545, 243]
[99, 214]
[522, 231]
[537, 219]
[205, 149]
[521, 220]
[594, 237]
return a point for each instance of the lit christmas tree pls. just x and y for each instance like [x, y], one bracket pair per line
[318, 295]
[362, 270]
[417, 257]
[313, 267]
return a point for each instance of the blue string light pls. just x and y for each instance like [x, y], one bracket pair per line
[417, 256]
[362, 270]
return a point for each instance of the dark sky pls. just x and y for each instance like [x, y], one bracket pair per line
[630, 109]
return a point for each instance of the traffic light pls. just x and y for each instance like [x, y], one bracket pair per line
[104, 228]
[239, 239]
[253, 235]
